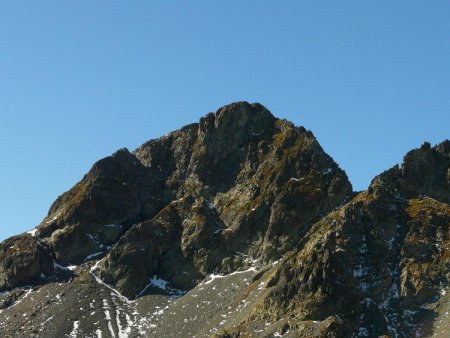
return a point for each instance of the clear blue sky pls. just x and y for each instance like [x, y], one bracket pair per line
[80, 79]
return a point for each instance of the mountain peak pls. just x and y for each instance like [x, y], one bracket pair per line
[243, 112]
[247, 219]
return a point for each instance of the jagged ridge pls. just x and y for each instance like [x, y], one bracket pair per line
[241, 186]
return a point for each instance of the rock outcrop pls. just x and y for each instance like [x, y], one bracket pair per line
[23, 261]
[369, 266]
[242, 189]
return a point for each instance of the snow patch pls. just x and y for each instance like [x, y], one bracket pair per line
[390, 242]
[58, 266]
[360, 271]
[161, 284]
[363, 332]
[108, 318]
[363, 248]
[115, 226]
[251, 261]
[74, 333]
[64, 268]
[32, 232]
[45, 321]
[89, 257]
[213, 276]
[53, 219]
[122, 332]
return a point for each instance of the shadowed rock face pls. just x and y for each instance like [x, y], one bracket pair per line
[242, 185]
[22, 261]
[97, 210]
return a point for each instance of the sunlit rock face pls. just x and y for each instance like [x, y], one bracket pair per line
[250, 205]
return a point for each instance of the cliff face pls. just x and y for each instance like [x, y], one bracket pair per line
[370, 266]
[244, 191]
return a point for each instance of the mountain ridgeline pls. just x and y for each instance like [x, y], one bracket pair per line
[237, 226]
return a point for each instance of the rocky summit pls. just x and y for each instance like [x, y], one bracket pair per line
[239, 225]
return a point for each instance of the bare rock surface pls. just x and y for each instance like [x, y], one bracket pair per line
[239, 225]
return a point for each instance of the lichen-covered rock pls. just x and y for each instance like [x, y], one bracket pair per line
[23, 260]
[97, 210]
[373, 262]
[136, 255]
[425, 251]
[244, 184]
[425, 172]
[242, 189]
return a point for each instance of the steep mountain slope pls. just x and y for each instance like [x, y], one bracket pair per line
[237, 226]
[370, 266]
